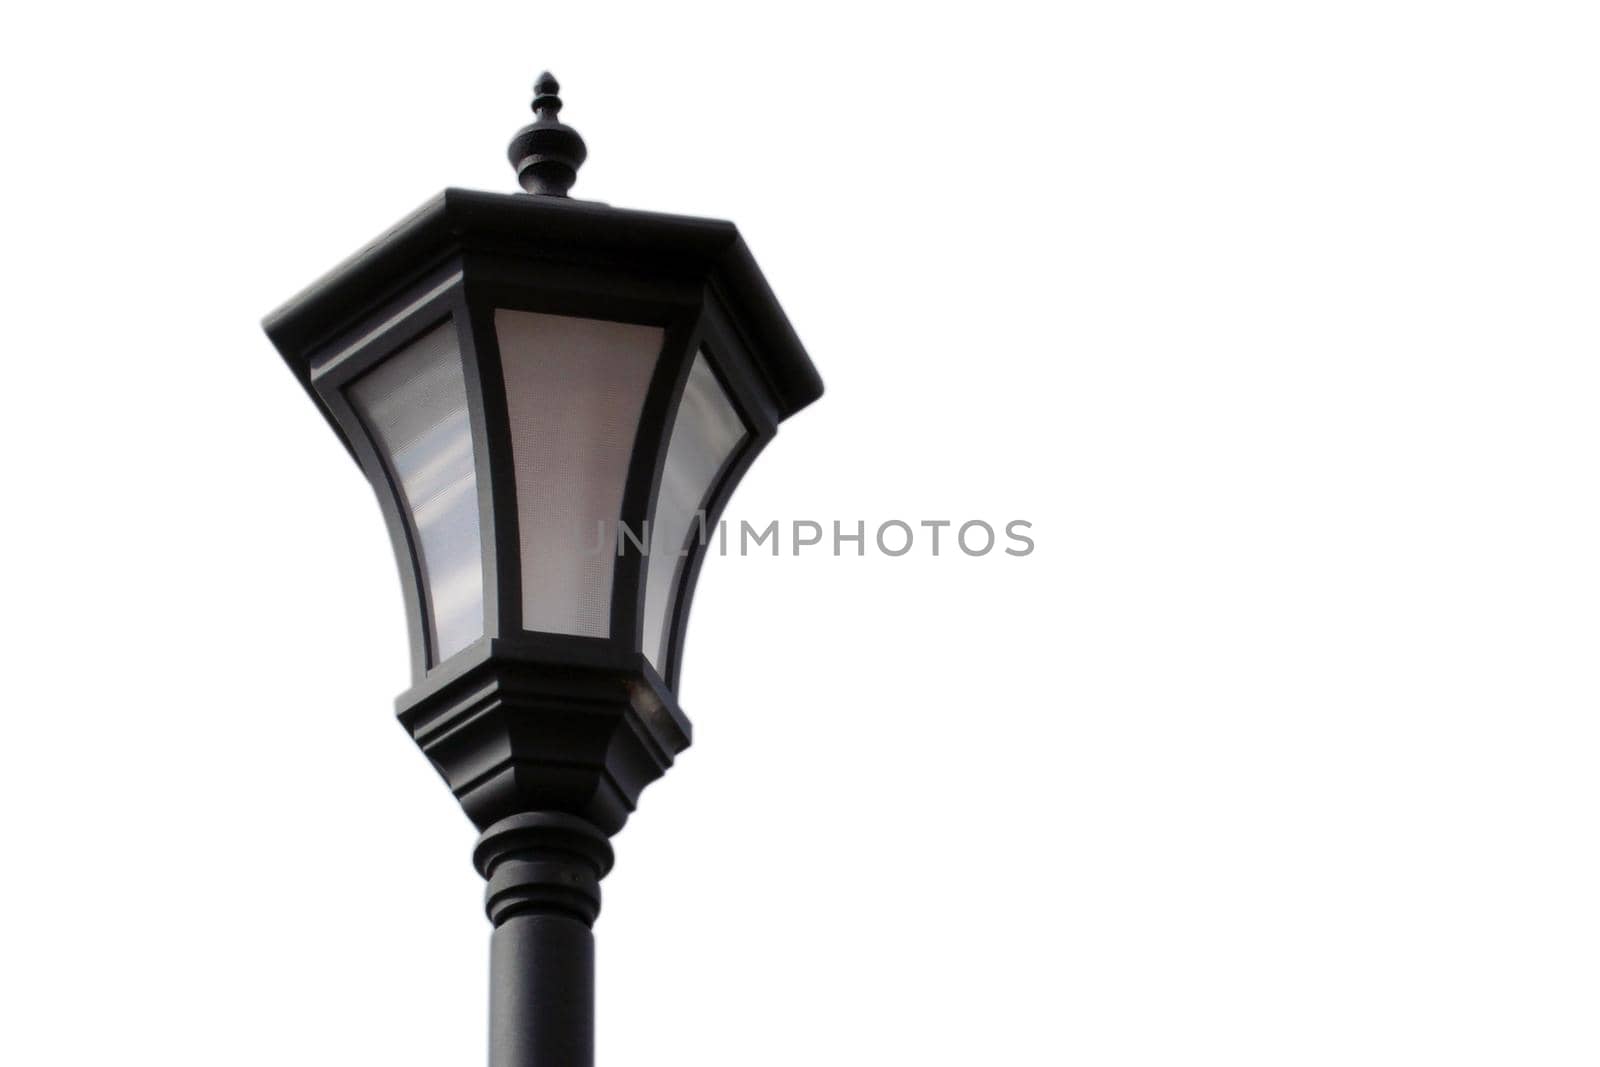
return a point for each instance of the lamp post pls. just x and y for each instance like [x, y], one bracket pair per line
[552, 399]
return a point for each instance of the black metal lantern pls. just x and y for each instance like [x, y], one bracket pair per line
[553, 399]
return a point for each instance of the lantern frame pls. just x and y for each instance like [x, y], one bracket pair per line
[693, 277]
[462, 256]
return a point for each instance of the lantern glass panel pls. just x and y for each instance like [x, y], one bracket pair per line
[575, 390]
[414, 407]
[706, 434]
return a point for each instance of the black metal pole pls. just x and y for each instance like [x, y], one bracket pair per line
[544, 871]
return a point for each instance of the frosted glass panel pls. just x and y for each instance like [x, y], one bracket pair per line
[705, 434]
[575, 390]
[414, 405]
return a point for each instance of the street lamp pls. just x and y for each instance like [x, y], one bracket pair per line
[553, 400]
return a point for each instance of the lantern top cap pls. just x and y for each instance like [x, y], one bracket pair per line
[471, 229]
[547, 153]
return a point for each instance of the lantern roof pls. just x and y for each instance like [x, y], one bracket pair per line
[557, 232]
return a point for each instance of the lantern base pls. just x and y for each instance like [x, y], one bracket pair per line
[564, 725]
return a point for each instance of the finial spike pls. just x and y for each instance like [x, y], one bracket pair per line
[548, 153]
[545, 100]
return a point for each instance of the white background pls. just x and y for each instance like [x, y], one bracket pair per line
[1278, 321]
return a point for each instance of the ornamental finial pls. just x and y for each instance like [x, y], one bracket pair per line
[548, 153]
